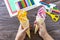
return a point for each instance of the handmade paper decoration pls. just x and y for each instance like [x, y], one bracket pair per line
[22, 16]
[54, 17]
[40, 18]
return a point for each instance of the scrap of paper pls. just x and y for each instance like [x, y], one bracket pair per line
[22, 17]
[56, 11]
[40, 17]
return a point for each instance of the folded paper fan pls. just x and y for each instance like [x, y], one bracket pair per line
[22, 17]
[40, 17]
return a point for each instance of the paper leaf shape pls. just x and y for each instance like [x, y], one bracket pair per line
[54, 17]
[40, 17]
[22, 16]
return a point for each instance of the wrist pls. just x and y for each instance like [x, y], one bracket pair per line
[47, 37]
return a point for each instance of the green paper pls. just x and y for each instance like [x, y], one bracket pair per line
[55, 8]
[12, 4]
[22, 3]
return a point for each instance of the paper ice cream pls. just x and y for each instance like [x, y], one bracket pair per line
[40, 17]
[22, 16]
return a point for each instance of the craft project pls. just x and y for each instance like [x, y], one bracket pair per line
[40, 17]
[47, 6]
[54, 17]
[22, 16]
[16, 7]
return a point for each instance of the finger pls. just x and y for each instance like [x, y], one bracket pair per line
[20, 27]
[34, 25]
[35, 22]
[24, 30]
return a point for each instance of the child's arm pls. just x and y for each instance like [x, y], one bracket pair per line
[21, 33]
[43, 32]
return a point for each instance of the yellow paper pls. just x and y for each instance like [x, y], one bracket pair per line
[54, 17]
[36, 28]
[22, 16]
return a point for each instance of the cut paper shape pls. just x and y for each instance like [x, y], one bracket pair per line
[23, 3]
[29, 2]
[54, 17]
[55, 10]
[40, 17]
[36, 28]
[47, 6]
[22, 17]
[11, 7]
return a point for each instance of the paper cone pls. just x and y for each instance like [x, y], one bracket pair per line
[36, 28]
[22, 16]
[39, 20]
[40, 17]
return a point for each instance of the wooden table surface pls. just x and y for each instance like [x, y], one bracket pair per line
[9, 26]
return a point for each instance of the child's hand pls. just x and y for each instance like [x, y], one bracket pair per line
[21, 33]
[42, 29]
[43, 32]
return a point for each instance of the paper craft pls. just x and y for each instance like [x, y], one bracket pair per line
[40, 17]
[47, 6]
[15, 5]
[11, 7]
[56, 11]
[54, 17]
[22, 16]
[27, 4]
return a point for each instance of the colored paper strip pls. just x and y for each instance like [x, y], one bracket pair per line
[25, 3]
[32, 1]
[20, 5]
[29, 2]
[45, 4]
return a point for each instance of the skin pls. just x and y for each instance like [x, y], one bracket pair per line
[42, 32]
[21, 33]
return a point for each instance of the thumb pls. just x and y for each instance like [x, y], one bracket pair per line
[24, 30]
